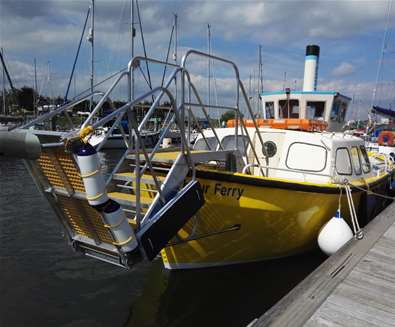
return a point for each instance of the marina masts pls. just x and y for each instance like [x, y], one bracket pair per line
[209, 63]
[4, 106]
[91, 39]
[133, 33]
[35, 93]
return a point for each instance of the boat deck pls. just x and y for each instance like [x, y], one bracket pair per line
[354, 287]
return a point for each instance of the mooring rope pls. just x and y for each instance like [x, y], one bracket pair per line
[354, 218]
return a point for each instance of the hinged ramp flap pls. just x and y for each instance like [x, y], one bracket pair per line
[169, 220]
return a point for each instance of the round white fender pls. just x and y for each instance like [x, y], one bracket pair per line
[89, 164]
[334, 234]
[119, 226]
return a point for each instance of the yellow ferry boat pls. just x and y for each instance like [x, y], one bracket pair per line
[236, 195]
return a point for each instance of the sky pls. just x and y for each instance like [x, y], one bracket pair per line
[350, 34]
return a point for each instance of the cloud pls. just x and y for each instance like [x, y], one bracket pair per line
[343, 69]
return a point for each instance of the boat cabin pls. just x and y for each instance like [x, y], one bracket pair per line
[329, 106]
[295, 155]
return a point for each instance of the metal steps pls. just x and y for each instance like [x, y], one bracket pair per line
[159, 157]
[131, 177]
[129, 200]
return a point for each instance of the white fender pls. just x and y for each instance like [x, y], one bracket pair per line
[334, 234]
[119, 226]
[89, 164]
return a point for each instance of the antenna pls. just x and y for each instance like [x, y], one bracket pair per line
[285, 80]
[260, 70]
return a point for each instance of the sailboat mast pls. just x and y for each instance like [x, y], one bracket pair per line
[92, 40]
[383, 49]
[4, 108]
[260, 77]
[175, 49]
[35, 93]
[209, 62]
[133, 31]
[260, 70]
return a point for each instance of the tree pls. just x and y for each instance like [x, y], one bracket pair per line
[230, 114]
[25, 97]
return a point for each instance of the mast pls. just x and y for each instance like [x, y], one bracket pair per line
[133, 32]
[4, 109]
[175, 49]
[260, 70]
[383, 48]
[209, 62]
[92, 41]
[35, 93]
[260, 78]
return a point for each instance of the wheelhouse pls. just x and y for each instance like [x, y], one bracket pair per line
[329, 106]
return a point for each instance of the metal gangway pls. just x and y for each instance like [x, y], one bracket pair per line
[132, 212]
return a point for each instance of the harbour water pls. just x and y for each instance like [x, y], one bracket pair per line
[44, 283]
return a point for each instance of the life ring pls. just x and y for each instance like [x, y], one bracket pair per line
[386, 138]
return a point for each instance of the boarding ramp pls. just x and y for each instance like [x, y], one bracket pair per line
[150, 194]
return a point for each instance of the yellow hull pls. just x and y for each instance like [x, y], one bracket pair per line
[252, 218]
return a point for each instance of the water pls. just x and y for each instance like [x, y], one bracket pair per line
[44, 283]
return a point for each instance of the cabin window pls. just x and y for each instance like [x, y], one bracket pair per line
[339, 110]
[210, 143]
[343, 162]
[356, 160]
[306, 157]
[289, 108]
[229, 143]
[365, 160]
[269, 109]
[315, 109]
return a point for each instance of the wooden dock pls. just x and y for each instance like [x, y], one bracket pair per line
[354, 287]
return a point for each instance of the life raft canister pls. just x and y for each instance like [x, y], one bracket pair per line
[386, 138]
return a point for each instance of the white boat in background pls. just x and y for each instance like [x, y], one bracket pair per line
[117, 140]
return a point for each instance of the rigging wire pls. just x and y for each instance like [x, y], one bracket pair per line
[76, 56]
[383, 49]
[167, 55]
[143, 42]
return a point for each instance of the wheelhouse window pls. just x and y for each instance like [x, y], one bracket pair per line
[208, 143]
[306, 157]
[365, 160]
[339, 110]
[289, 108]
[343, 162]
[356, 160]
[315, 109]
[269, 109]
[229, 143]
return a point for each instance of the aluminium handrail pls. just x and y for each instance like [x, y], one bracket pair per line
[239, 87]
[102, 100]
[59, 110]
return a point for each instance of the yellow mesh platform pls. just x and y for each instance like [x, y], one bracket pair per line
[84, 220]
[60, 170]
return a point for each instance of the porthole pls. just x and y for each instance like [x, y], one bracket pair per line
[269, 149]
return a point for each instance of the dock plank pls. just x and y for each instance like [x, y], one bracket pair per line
[336, 315]
[354, 287]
